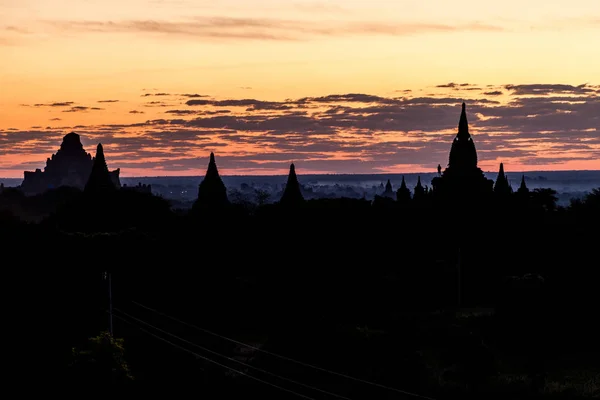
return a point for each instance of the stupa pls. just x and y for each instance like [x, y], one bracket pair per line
[70, 166]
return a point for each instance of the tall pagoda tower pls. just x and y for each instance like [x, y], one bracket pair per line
[212, 190]
[462, 177]
[292, 193]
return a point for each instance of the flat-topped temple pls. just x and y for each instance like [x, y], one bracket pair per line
[70, 166]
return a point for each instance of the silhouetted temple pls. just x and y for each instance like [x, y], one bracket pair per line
[292, 193]
[523, 189]
[389, 191]
[419, 191]
[502, 186]
[70, 166]
[212, 190]
[462, 177]
[403, 194]
[99, 180]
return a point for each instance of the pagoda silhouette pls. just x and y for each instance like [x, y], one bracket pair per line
[70, 166]
[462, 178]
[292, 193]
[389, 190]
[403, 194]
[502, 186]
[212, 191]
[99, 181]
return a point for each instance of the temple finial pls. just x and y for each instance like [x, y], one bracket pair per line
[463, 124]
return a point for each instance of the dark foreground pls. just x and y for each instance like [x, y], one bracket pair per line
[368, 296]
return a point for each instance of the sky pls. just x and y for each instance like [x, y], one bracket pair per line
[333, 86]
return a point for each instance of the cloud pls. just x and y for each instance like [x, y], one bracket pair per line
[55, 104]
[345, 133]
[82, 109]
[136, 112]
[493, 93]
[156, 94]
[17, 29]
[264, 28]
[252, 104]
[182, 112]
[55, 119]
[156, 104]
[197, 112]
[193, 95]
[108, 101]
[546, 89]
[453, 85]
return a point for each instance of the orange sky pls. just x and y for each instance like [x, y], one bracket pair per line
[532, 70]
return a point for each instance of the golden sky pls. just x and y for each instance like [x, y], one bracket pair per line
[335, 86]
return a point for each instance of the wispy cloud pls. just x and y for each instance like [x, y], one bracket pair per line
[83, 109]
[265, 29]
[55, 104]
[546, 89]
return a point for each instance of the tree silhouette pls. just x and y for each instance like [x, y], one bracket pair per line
[101, 361]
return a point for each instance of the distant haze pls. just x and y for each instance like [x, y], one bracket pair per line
[184, 189]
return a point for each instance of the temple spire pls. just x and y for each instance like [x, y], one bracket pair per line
[463, 124]
[502, 186]
[99, 180]
[419, 191]
[419, 185]
[523, 188]
[403, 194]
[292, 193]
[212, 190]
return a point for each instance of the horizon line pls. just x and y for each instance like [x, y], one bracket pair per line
[338, 174]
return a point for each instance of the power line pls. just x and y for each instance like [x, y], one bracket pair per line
[232, 359]
[214, 362]
[286, 358]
